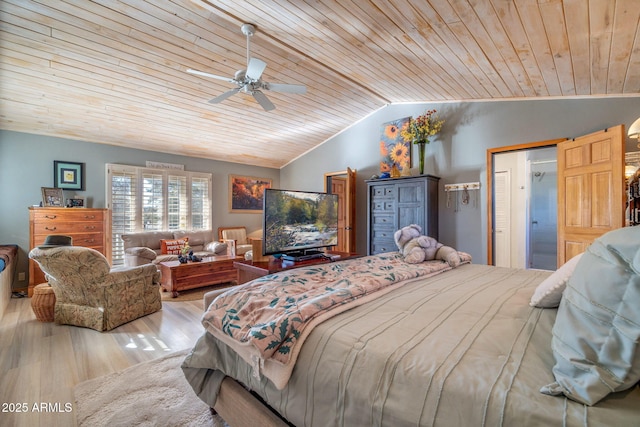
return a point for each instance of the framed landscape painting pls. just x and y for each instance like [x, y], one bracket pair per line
[246, 193]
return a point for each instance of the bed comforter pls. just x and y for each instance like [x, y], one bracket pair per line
[459, 348]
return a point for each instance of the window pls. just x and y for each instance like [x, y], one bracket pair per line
[144, 199]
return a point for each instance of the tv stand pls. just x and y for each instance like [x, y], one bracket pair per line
[249, 270]
[302, 255]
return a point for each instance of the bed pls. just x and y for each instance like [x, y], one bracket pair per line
[459, 346]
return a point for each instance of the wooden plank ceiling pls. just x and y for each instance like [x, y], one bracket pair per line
[114, 72]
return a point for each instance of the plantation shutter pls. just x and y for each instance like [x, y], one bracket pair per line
[200, 202]
[152, 201]
[123, 183]
[177, 203]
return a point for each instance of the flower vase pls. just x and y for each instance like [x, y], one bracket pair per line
[421, 153]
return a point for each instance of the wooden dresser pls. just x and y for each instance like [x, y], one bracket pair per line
[394, 203]
[87, 227]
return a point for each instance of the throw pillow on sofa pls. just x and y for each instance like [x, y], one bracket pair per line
[173, 247]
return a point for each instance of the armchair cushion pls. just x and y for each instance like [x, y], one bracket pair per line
[90, 294]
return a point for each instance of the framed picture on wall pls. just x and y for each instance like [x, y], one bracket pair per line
[52, 197]
[68, 175]
[246, 193]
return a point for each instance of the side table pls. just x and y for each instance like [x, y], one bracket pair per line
[43, 302]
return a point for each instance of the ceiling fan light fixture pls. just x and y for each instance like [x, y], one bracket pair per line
[250, 80]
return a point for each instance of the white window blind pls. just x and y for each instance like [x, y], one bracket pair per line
[145, 199]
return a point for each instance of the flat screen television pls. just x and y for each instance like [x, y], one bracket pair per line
[296, 224]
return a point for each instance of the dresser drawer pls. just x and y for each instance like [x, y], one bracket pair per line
[63, 227]
[91, 240]
[378, 220]
[381, 246]
[379, 234]
[69, 214]
[384, 191]
[383, 205]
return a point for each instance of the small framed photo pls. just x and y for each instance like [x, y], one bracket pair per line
[75, 202]
[68, 175]
[52, 197]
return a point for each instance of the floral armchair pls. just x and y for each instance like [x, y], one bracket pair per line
[90, 294]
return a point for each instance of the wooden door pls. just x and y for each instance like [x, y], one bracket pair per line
[344, 185]
[339, 187]
[590, 189]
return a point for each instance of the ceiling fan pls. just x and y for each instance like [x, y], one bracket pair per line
[249, 80]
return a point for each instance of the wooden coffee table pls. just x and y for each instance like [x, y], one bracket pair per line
[210, 271]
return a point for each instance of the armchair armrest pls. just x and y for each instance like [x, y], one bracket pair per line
[218, 248]
[123, 274]
[138, 255]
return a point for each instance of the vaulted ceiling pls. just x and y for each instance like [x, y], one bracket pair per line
[114, 72]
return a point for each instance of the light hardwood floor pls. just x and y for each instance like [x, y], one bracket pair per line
[42, 362]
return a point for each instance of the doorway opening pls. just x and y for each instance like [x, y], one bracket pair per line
[522, 205]
[525, 208]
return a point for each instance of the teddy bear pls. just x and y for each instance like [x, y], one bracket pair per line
[416, 247]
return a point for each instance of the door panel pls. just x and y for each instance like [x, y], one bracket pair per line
[503, 218]
[574, 195]
[350, 218]
[338, 186]
[590, 189]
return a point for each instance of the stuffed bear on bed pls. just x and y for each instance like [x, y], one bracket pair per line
[416, 247]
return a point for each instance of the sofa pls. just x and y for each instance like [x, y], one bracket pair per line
[146, 247]
[8, 256]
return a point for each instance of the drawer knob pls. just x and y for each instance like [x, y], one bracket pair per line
[51, 216]
[90, 216]
[89, 227]
[51, 228]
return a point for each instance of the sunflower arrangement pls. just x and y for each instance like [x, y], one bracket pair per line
[422, 127]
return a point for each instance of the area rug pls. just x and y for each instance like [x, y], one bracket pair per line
[153, 393]
[193, 294]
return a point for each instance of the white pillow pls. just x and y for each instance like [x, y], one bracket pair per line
[549, 293]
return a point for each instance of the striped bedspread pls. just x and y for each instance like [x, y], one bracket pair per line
[460, 348]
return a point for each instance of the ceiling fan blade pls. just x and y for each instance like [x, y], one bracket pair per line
[263, 100]
[213, 76]
[288, 88]
[255, 68]
[224, 96]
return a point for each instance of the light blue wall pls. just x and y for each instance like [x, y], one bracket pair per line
[26, 165]
[459, 152]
